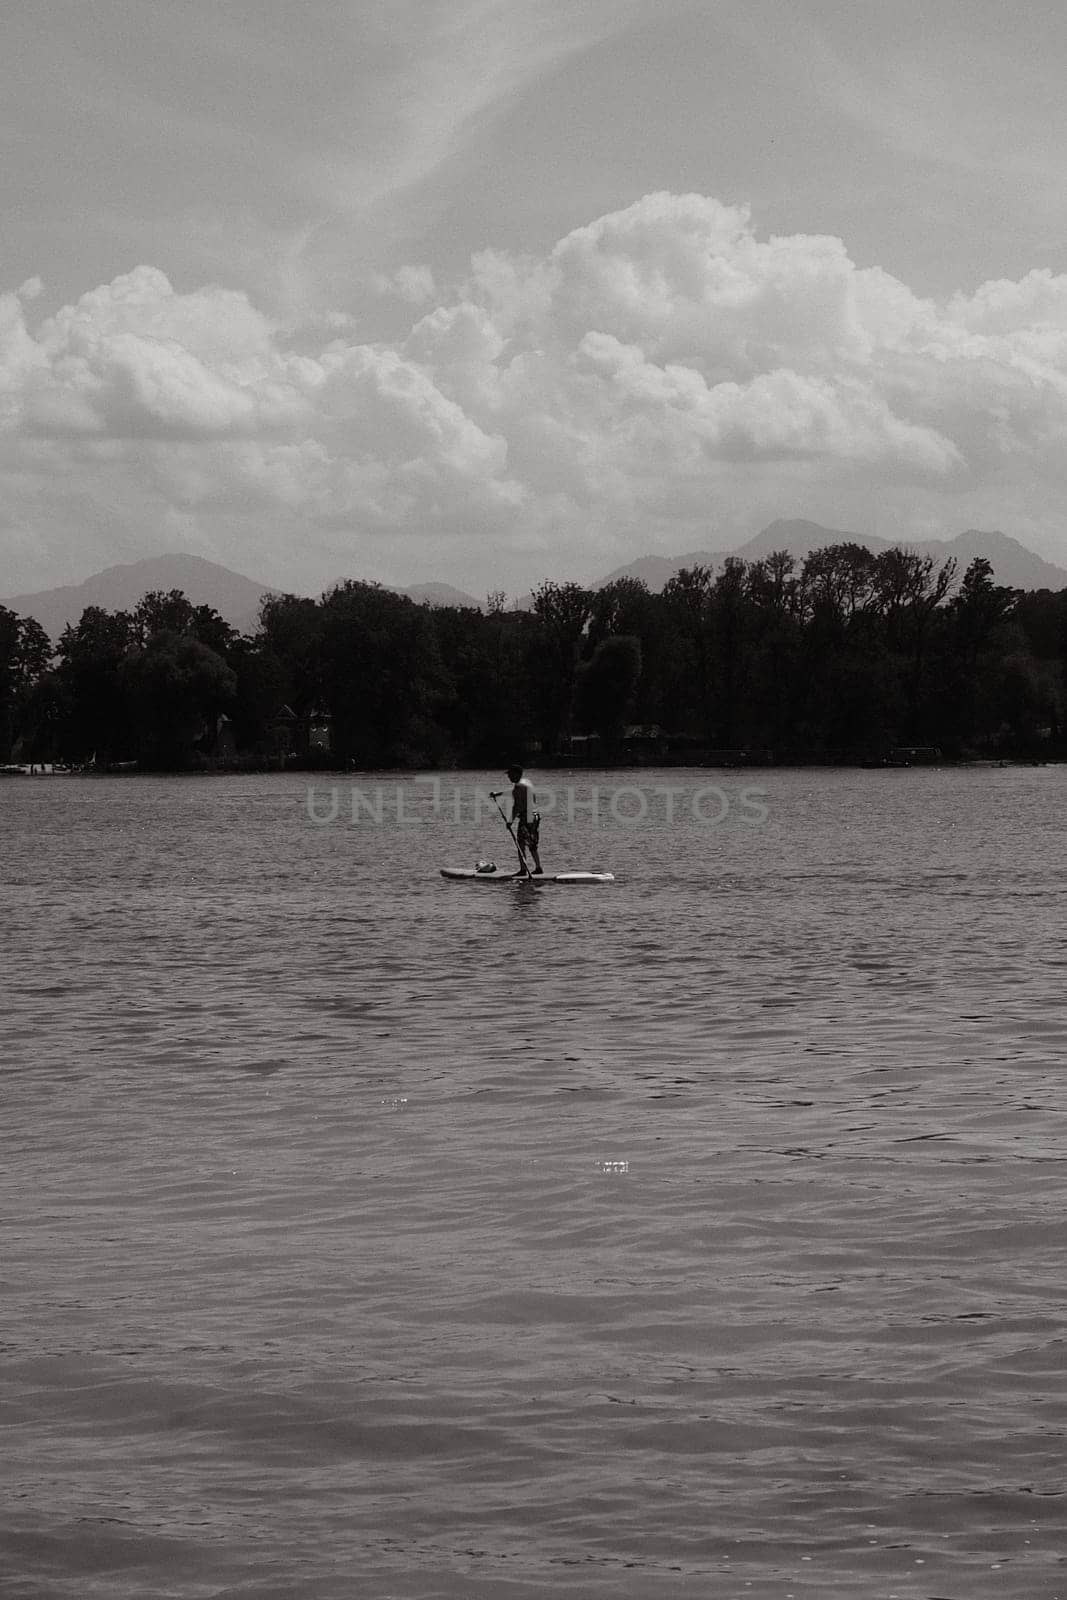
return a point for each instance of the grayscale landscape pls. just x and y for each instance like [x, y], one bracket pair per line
[533, 775]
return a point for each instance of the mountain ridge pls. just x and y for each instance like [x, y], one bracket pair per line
[238, 598]
[234, 595]
[119, 588]
[1014, 565]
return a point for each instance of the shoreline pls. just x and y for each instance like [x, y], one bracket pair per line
[811, 764]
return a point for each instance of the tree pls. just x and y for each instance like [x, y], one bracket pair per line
[260, 695]
[979, 609]
[606, 687]
[562, 611]
[291, 630]
[848, 654]
[162, 611]
[908, 591]
[1027, 703]
[33, 708]
[976, 635]
[41, 716]
[382, 678]
[1041, 615]
[772, 584]
[838, 582]
[730, 650]
[686, 672]
[34, 651]
[624, 606]
[97, 716]
[486, 708]
[213, 630]
[178, 688]
[9, 654]
[1041, 619]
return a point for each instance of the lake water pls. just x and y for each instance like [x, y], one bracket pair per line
[369, 1235]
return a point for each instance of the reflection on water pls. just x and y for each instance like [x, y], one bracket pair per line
[700, 1233]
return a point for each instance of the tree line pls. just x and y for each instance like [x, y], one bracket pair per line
[843, 656]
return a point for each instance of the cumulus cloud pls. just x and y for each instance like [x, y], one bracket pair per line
[411, 283]
[658, 367]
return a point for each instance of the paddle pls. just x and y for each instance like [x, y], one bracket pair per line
[494, 794]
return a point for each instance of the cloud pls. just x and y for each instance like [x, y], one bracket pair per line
[411, 283]
[438, 69]
[658, 367]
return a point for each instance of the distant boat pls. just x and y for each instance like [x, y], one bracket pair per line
[35, 769]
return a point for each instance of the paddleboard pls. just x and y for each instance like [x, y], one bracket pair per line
[469, 875]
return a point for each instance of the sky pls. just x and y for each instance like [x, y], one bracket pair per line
[485, 292]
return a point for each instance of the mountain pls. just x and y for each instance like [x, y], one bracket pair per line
[238, 598]
[440, 594]
[1013, 564]
[205, 583]
[800, 538]
[656, 571]
[423, 594]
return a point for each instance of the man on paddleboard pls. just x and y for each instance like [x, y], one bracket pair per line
[527, 820]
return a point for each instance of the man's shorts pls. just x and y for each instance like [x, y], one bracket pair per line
[530, 832]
